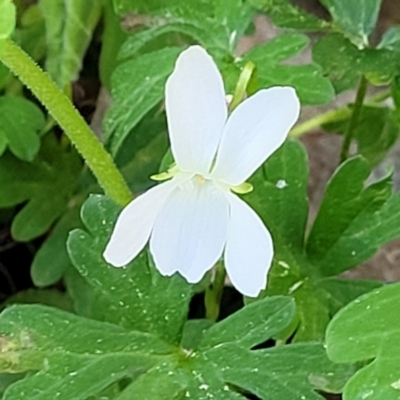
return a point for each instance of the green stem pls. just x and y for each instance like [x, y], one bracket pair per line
[321, 119]
[242, 85]
[339, 114]
[213, 294]
[74, 126]
[348, 136]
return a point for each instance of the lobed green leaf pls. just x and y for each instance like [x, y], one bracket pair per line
[69, 28]
[20, 124]
[345, 66]
[308, 80]
[138, 86]
[391, 39]
[72, 357]
[377, 131]
[366, 329]
[287, 15]
[45, 184]
[136, 297]
[353, 222]
[356, 19]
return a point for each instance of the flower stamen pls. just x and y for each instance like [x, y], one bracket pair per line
[201, 180]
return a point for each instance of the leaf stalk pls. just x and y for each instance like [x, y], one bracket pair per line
[355, 117]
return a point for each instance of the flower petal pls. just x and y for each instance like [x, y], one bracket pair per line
[256, 128]
[134, 225]
[190, 231]
[196, 110]
[249, 249]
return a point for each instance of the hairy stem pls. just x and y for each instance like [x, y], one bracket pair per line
[74, 126]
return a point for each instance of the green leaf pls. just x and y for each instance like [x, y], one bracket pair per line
[377, 131]
[286, 15]
[251, 325]
[344, 199]
[236, 16]
[155, 26]
[145, 6]
[157, 382]
[49, 297]
[217, 27]
[137, 87]
[391, 39]
[343, 291]
[279, 184]
[52, 260]
[226, 368]
[158, 27]
[284, 176]
[345, 66]
[380, 66]
[69, 28]
[140, 156]
[365, 219]
[7, 18]
[193, 332]
[113, 290]
[342, 65]
[257, 372]
[20, 123]
[283, 372]
[135, 297]
[46, 185]
[366, 329]
[311, 86]
[7, 380]
[31, 34]
[75, 357]
[356, 18]
[352, 224]
[113, 37]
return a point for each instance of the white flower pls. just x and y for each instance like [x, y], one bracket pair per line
[194, 218]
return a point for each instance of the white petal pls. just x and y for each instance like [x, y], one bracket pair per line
[134, 225]
[190, 231]
[256, 128]
[196, 110]
[249, 249]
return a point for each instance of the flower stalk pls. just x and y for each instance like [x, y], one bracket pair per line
[69, 119]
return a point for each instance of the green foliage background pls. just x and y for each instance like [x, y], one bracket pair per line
[125, 333]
